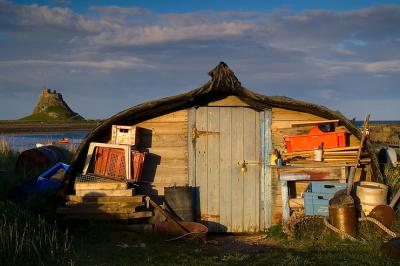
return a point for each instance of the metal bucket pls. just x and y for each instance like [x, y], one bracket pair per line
[370, 195]
[344, 218]
[180, 200]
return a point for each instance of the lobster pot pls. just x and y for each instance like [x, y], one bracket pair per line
[370, 195]
[344, 218]
[138, 162]
[180, 200]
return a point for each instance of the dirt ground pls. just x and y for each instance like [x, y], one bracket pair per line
[249, 243]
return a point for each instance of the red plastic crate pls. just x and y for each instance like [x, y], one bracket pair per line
[314, 139]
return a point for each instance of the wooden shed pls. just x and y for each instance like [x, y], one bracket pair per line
[218, 139]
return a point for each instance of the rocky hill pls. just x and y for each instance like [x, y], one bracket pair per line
[51, 106]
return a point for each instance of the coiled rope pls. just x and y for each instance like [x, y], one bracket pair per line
[362, 219]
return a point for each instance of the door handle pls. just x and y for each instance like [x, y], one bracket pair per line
[243, 165]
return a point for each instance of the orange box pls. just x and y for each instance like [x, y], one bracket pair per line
[313, 140]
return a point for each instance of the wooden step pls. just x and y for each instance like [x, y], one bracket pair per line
[105, 216]
[106, 210]
[105, 199]
[101, 185]
[94, 205]
[105, 192]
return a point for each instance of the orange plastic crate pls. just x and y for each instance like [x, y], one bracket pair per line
[314, 139]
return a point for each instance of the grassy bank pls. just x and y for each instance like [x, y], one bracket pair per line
[27, 238]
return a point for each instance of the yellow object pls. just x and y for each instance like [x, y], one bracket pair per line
[273, 159]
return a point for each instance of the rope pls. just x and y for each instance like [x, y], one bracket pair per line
[182, 236]
[362, 219]
[337, 231]
[379, 224]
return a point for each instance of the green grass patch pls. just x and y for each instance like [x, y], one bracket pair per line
[26, 239]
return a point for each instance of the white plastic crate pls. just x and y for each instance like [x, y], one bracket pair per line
[124, 135]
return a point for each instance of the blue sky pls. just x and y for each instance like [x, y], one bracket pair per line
[105, 56]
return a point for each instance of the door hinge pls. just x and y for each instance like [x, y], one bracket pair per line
[197, 133]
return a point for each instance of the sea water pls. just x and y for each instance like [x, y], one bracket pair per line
[25, 141]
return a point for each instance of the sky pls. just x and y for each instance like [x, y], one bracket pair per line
[106, 56]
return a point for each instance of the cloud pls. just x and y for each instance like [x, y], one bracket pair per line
[161, 34]
[117, 10]
[319, 56]
[383, 66]
[125, 63]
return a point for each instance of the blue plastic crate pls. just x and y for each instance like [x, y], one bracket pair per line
[44, 182]
[317, 196]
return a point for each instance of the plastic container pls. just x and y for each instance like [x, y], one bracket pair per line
[313, 140]
[370, 195]
[318, 155]
[44, 181]
[317, 196]
[124, 135]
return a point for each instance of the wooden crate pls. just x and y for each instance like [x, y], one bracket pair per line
[124, 135]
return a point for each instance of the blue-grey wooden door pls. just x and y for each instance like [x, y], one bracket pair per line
[226, 167]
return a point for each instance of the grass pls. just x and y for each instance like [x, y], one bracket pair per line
[29, 239]
[26, 239]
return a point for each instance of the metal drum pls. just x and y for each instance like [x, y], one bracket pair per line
[344, 218]
[41, 158]
[180, 201]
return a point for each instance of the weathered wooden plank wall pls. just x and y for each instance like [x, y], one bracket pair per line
[166, 139]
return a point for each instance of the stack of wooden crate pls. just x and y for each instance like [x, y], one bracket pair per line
[105, 200]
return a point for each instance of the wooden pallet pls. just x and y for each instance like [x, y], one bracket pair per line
[103, 201]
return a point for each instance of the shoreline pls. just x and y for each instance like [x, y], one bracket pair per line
[45, 127]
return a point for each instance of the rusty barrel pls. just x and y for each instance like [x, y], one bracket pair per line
[180, 200]
[344, 218]
[41, 158]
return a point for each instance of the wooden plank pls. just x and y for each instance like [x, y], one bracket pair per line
[99, 210]
[314, 122]
[226, 168]
[201, 161]
[213, 170]
[95, 205]
[279, 114]
[229, 101]
[105, 192]
[258, 158]
[148, 140]
[251, 175]
[158, 188]
[266, 194]
[101, 185]
[313, 173]
[105, 199]
[167, 152]
[164, 179]
[114, 216]
[237, 175]
[191, 149]
[178, 116]
[161, 128]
